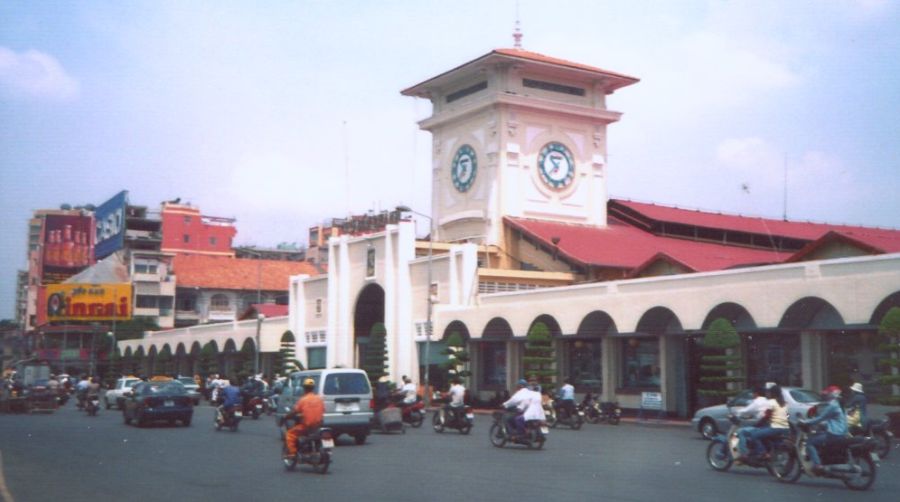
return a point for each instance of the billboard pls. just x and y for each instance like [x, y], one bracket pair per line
[86, 302]
[68, 246]
[109, 219]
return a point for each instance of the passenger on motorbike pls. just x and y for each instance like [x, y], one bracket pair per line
[310, 410]
[857, 417]
[775, 422]
[566, 397]
[832, 415]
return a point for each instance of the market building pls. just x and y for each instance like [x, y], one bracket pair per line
[521, 231]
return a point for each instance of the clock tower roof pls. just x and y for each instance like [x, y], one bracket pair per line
[612, 80]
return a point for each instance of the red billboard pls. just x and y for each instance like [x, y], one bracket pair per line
[68, 246]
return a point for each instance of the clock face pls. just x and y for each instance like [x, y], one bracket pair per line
[464, 167]
[556, 165]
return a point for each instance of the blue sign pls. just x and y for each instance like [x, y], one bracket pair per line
[110, 220]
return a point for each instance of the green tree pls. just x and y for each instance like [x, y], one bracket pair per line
[889, 338]
[375, 362]
[164, 362]
[539, 355]
[134, 328]
[286, 360]
[457, 357]
[209, 360]
[721, 363]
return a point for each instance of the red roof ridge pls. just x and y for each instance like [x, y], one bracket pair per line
[536, 56]
[844, 226]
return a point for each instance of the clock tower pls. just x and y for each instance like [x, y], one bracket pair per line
[516, 133]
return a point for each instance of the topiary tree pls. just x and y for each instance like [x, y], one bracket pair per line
[246, 358]
[457, 357]
[889, 338]
[286, 360]
[164, 362]
[721, 364]
[209, 360]
[539, 355]
[375, 362]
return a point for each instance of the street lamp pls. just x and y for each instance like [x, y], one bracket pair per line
[259, 320]
[407, 209]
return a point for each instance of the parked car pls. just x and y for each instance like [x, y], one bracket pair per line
[347, 395]
[116, 395]
[192, 388]
[154, 401]
[713, 420]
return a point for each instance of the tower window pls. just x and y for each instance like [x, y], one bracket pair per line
[472, 89]
[550, 86]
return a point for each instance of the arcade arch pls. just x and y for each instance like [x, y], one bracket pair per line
[368, 311]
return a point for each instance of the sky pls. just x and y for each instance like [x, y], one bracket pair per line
[285, 114]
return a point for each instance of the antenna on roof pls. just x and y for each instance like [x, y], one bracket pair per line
[517, 34]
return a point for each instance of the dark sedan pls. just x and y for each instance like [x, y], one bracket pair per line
[158, 401]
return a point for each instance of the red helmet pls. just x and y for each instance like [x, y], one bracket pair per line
[832, 391]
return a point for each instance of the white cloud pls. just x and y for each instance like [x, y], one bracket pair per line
[34, 74]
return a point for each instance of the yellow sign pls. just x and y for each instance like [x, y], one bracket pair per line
[88, 302]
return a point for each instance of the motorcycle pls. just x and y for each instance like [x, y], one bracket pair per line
[459, 419]
[877, 430]
[561, 416]
[599, 411]
[723, 452]
[852, 460]
[313, 449]
[92, 405]
[413, 413]
[254, 406]
[500, 433]
[229, 419]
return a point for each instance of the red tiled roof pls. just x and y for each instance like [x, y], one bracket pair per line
[624, 80]
[540, 58]
[763, 226]
[871, 242]
[222, 272]
[266, 309]
[620, 245]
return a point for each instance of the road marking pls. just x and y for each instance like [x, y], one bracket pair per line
[4, 491]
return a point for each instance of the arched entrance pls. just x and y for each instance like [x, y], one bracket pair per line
[368, 311]
[582, 354]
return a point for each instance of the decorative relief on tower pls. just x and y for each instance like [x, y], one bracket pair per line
[578, 140]
[532, 132]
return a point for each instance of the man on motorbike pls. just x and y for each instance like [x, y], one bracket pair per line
[756, 410]
[457, 398]
[310, 410]
[857, 418]
[832, 415]
[528, 403]
[566, 397]
[408, 391]
[93, 389]
[230, 398]
[775, 422]
[81, 389]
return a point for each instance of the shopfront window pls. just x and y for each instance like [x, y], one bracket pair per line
[493, 365]
[584, 364]
[640, 363]
[315, 357]
[774, 358]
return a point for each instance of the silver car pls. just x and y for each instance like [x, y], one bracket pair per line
[193, 390]
[713, 420]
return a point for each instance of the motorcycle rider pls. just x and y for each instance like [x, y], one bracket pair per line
[775, 421]
[230, 398]
[566, 397]
[857, 417]
[81, 390]
[408, 391]
[755, 410]
[93, 389]
[311, 410]
[832, 415]
[528, 403]
[457, 395]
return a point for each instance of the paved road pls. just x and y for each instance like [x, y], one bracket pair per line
[69, 456]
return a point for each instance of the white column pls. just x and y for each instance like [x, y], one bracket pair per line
[297, 317]
[405, 251]
[344, 328]
[390, 304]
[333, 344]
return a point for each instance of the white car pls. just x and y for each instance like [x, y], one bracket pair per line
[114, 396]
[713, 420]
